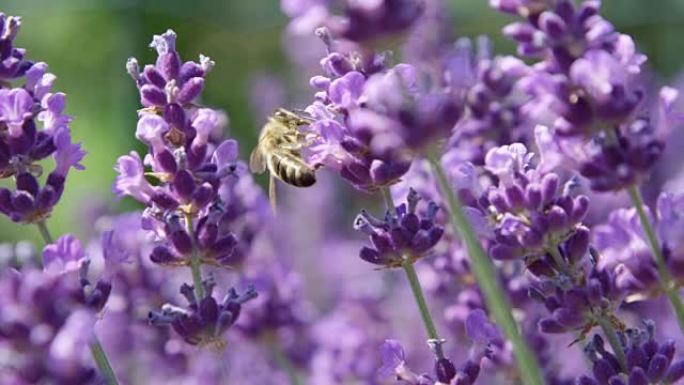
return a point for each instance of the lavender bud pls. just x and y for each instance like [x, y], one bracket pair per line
[533, 197]
[152, 96]
[153, 77]
[167, 161]
[175, 115]
[169, 65]
[184, 184]
[190, 90]
[515, 197]
[445, 370]
[603, 370]
[558, 219]
[552, 24]
[162, 256]
[27, 182]
[577, 245]
[181, 241]
[657, 367]
[549, 188]
[637, 376]
[579, 209]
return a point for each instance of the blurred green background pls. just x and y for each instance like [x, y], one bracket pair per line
[86, 43]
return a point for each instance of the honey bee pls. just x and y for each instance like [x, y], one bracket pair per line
[279, 150]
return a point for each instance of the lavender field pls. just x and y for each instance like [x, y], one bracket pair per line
[342, 192]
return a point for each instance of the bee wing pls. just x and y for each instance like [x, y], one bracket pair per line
[257, 162]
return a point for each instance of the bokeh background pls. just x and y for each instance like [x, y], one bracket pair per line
[86, 43]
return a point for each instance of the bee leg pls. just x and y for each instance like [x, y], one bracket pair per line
[272, 192]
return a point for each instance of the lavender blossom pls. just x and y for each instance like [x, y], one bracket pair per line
[25, 142]
[648, 361]
[369, 121]
[45, 328]
[12, 62]
[625, 249]
[588, 79]
[202, 323]
[479, 329]
[529, 211]
[190, 168]
[402, 237]
[361, 22]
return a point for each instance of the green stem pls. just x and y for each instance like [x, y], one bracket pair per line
[195, 262]
[102, 362]
[613, 340]
[667, 283]
[417, 290]
[47, 239]
[488, 281]
[284, 363]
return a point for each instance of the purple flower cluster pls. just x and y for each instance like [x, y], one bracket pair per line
[370, 120]
[48, 317]
[202, 323]
[201, 193]
[624, 246]
[481, 332]
[587, 78]
[189, 168]
[648, 361]
[495, 98]
[363, 22]
[526, 212]
[12, 62]
[403, 236]
[33, 127]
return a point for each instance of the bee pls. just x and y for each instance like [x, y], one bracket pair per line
[279, 150]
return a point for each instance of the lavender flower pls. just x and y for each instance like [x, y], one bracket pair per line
[648, 361]
[369, 121]
[625, 249]
[25, 143]
[403, 236]
[587, 77]
[361, 21]
[203, 323]
[479, 329]
[12, 62]
[46, 324]
[494, 99]
[529, 211]
[190, 168]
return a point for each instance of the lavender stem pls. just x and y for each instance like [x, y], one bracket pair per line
[665, 277]
[102, 362]
[45, 232]
[47, 239]
[416, 288]
[613, 340]
[487, 279]
[195, 262]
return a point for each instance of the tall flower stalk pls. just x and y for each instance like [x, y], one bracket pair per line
[407, 265]
[488, 282]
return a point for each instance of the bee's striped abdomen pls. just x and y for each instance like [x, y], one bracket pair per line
[291, 169]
